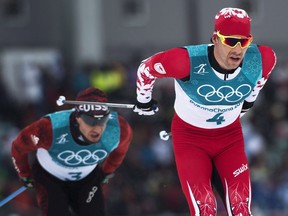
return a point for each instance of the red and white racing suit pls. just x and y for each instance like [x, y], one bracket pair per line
[208, 134]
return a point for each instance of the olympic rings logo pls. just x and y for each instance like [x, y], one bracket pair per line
[83, 156]
[216, 95]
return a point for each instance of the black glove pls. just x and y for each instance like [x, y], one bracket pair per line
[28, 182]
[149, 108]
[107, 178]
[103, 178]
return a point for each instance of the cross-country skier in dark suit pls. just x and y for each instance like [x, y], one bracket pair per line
[77, 151]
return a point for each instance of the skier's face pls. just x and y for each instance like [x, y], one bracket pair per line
[228, 57]
[91, 133]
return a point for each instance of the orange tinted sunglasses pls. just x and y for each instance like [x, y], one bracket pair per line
[233, 41]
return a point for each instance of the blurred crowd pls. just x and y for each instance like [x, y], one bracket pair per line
[146, 183]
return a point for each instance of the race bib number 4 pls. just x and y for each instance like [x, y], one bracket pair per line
[218, 119]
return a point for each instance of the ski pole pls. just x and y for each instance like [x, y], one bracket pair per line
[11, 196]
[62, 100]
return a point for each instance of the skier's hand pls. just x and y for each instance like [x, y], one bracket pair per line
[28, 181]
[149, 108]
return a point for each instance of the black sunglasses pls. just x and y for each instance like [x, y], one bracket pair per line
[95, 120]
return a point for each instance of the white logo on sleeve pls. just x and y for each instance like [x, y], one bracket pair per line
[159, 68]
[34, 139]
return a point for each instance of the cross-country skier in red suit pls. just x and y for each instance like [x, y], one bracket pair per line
[77, 151]
[215, 84]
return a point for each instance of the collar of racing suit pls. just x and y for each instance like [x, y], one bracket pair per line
[215, 64]
[76, 134]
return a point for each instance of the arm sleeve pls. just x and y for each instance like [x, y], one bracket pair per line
[174, 63]
[116, 157]
[268, 63]
[32, 137]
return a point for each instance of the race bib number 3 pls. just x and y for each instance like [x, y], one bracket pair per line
[74, 176]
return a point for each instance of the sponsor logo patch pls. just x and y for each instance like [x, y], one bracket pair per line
[34, 139]
[242, 169]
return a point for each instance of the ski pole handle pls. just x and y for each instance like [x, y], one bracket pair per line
[164, 135]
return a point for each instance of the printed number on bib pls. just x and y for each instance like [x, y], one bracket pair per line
[74, 176]
[218, 119]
